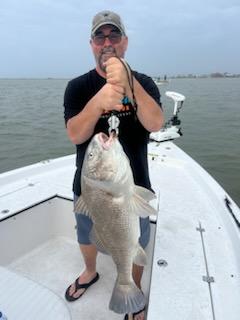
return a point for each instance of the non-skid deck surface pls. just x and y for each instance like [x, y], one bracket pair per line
[17, 302]
[57, 263]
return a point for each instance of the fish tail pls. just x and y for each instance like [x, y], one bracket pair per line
[126, 298]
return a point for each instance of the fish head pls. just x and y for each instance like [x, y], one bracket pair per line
[105, 159]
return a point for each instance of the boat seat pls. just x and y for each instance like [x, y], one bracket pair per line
[24, 299]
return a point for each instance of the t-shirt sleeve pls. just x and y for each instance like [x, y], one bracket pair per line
[73, 103]
[151, 88]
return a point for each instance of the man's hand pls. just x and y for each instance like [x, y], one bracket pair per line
[110, 97]
[116, 74]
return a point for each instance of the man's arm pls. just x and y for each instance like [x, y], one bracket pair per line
[148, 110]
[81, 127]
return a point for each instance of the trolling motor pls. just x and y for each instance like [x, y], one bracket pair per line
[171, 129]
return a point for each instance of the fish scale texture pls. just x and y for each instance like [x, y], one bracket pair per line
[110, 197]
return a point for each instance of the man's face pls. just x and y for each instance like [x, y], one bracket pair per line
[105, 47]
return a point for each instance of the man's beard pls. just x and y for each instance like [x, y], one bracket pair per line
[104, 55]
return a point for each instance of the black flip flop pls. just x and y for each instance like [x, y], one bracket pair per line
[78, 286]
[134, 314]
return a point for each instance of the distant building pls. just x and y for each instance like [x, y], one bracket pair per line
[216, 75]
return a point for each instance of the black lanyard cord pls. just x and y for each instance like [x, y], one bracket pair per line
[130, 80]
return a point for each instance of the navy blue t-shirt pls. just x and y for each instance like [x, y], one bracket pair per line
[132, 135]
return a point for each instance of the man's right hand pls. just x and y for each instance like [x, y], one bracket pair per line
[110, 97]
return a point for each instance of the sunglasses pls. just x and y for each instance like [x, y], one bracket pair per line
[113, 37]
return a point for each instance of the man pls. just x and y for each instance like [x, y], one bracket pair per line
[89, 101]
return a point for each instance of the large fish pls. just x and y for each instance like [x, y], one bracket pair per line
[114, 203]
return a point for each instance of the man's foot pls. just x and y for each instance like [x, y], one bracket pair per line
[80, 285]
[140, 315]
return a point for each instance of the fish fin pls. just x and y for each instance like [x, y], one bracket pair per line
[140, 258]
[126, 298]
[96, 241]
[141, 207]
[144, 193]
[81, 207]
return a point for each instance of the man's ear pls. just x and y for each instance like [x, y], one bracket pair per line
[125, 43]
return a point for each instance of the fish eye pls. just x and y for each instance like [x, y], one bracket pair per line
[90, 155]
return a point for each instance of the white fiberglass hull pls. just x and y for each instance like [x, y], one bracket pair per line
[196, 260]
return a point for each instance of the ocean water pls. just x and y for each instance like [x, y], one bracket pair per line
[32, 126]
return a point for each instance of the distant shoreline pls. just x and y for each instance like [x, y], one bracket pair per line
[179, 76]
[199, 76]
[203, 76]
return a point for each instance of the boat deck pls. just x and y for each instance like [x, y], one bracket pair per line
[55, 264]
[196, 258]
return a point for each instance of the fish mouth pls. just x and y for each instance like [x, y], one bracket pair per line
[106, 141]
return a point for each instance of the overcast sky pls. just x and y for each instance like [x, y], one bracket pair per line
[50, 38]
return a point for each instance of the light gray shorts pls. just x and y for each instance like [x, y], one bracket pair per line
[84, 226]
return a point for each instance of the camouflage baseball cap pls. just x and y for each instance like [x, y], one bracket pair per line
[107, 17]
